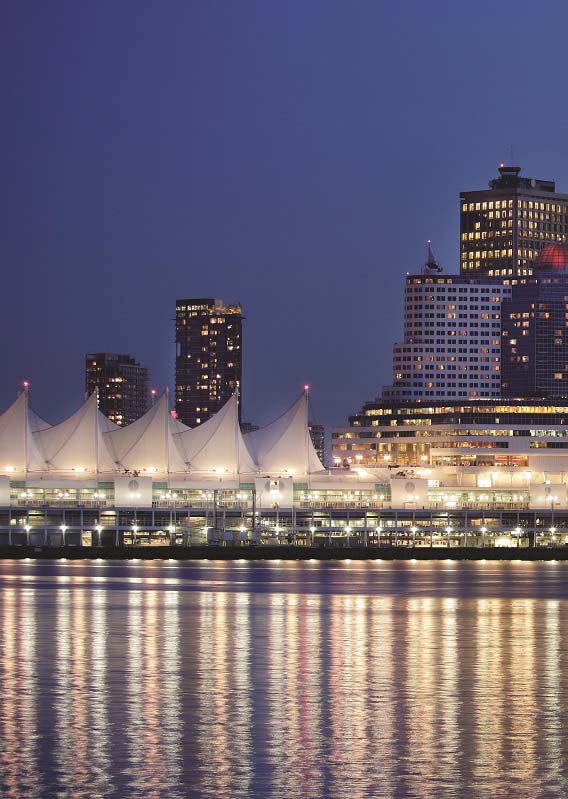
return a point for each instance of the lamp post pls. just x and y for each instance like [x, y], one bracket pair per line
[312, 531]
[413, 531]
[483, 531]
[172, 532]
[27, 528]
[552, 501]
[552, 534]
[449, 531]
[99, 529]
[347, 531]
[134, 531]
[63, 528]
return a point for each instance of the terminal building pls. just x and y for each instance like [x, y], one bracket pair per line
[498, 464]
[437, 474]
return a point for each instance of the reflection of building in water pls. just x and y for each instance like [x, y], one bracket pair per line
[292, 680]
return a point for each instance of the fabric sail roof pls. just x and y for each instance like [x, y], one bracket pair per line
[217, 445]
[18, 450]
[77, 443]
[285, 445]
[148, 443]
[36, 422]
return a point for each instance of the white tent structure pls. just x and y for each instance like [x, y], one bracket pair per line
[285, 446]
[87, 442]
[218, 444]
[147, 445]
[77, 444]
[18, 450]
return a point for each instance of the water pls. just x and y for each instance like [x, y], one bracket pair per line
[234, 680]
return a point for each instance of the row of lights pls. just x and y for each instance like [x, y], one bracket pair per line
[171, 529]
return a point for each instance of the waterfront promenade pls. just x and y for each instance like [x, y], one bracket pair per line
[285, 552]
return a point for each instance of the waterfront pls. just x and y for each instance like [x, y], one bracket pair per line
[280, 679]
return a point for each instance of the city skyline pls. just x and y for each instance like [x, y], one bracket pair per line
[283, 502]
[123, 197]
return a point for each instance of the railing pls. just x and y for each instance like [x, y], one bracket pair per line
[316, 505]
[479, 506]
[201, 504]
[62, 502]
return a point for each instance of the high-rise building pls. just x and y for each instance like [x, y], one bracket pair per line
[452, 338]
[535, 329]
[317, 434]
[503, 228]
[122, 385]
[209, 357]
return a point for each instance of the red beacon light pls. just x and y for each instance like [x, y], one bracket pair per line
[306, 387]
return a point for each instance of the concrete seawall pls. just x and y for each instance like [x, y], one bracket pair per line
[287, 552]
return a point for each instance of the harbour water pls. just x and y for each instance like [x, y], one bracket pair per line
[228, 680]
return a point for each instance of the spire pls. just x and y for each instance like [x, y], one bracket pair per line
[431, 264]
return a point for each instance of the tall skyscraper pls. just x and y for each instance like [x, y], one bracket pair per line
[535, 329]
[503, 228]
[452, 338]
[317, 434]
[122, 385]
[209, 357]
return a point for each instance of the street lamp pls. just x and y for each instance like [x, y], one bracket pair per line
[99, 529]
[312, 530]
[413, 530]
[448, 531]
[483, 531]
[552, 501]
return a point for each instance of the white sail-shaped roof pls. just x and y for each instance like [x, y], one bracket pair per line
[285, 445]
[147, 445]
[77, 444]
[18, 451]
[36, 422]
[217, 445]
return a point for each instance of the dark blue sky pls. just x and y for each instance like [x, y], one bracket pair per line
[293, 156]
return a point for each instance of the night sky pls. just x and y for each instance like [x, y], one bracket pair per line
[293, 156]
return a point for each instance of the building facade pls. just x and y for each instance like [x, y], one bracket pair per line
[483, 472]
[503, 228]
[121, 383]
[478, 434]
[209, 357]
[317, 434]
[452, 338]
[535, 329]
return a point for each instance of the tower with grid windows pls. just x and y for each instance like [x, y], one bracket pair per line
[503, 228]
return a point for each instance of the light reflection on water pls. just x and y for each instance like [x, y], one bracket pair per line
[219, 680]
